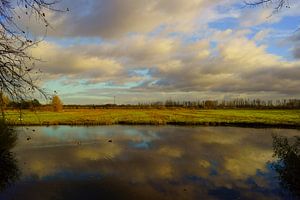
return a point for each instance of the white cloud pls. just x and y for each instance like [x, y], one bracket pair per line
[236, 64]
[172, 42]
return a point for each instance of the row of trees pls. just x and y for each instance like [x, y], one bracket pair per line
[205, 104]
[55, 105]
[236, 103]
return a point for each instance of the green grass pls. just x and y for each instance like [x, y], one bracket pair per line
[233, 117]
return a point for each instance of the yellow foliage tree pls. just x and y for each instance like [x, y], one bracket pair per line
[4, 101]
[57, 104]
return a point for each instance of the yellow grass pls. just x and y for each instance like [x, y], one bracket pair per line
[279, 118]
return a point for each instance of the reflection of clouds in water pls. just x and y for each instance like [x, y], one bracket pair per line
[43, 162]
[41, 168]
[101, 151]
[63, 135]
[240, 157]
[170, 152]
[247, 161]
[193, 158]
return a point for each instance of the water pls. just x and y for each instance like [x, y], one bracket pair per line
[146, 162]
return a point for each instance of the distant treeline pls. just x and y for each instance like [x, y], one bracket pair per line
[30, 104]
[56, 104]
[205, 104]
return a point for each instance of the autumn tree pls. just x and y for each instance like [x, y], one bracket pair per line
[4, 100]
[57, 104]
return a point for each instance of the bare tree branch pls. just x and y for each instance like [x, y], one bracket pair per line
[16, 64]
[279, 4]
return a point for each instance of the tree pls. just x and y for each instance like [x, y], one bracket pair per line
[279, 4]
[16, 64]
[9, 171]
[57, 104]
[4, 101]
[287, 164]
[35, 103]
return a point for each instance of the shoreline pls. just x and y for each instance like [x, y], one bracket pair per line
[200, 124]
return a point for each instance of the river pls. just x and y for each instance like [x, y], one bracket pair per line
[146, 162]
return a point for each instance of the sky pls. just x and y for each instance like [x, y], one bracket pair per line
[156, 50]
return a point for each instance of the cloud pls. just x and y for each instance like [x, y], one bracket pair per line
[166, 48]
[295, 40]
[296, 52]
[252, 17]
[267, 14]
[76, 63]
[235, 64]
[230, 68]
[116, 18]
[262, 34]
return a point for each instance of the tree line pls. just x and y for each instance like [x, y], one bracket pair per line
[234, 103]
[204, 104]
[55, 104]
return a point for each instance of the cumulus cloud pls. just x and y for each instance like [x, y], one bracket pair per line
[116, 18]
[167, 48]
[235, 64]
[76, 63]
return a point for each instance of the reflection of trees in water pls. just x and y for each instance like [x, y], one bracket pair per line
[288, 164]
[9, 171]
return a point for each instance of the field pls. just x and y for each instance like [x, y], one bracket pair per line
[233, 117]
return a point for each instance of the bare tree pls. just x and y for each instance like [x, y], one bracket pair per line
[279, 4]
[16, 64]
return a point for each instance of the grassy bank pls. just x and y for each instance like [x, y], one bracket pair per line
[249, 118]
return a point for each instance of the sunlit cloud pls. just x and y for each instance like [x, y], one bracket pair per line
[170, 47]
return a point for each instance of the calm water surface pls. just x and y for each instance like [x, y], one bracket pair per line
[146, 162]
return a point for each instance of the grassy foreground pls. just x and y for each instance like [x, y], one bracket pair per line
[249, 118]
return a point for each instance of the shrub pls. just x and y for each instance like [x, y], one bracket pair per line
[57, 104]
